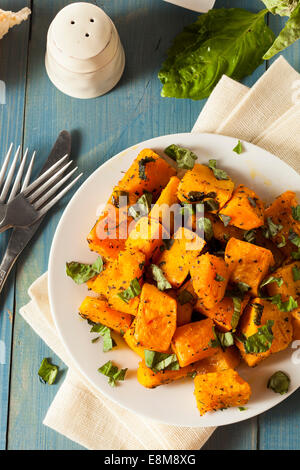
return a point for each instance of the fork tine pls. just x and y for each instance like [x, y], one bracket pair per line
[18, 177]
[9, 176]
[5, 163]
[47, 184]
[50, 204]
[43, 176]
[28, 173]
[39, 203]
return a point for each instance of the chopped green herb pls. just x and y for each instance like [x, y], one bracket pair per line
[259, 342]
[81, 272]
[184, 158]
[237, 307]
[219, 278]
[133, 291]
[294, 238]
[258, 312]
[119, 198]
[222, 340]
[282, 243]
[47, 372]
[211, 205]
[142, 167]
[142, 206]
[225, 219]
[250, 236]
[205, 224]
[243, 287]
[296, 213]
[219, 174]
[238, 148]
[160, 361]
[112, 372]
[185, 297]
[105, 332]
[295, 255]
[286, 306]
[279, 382]
[192, 374]
[272, 229]
[158, 276]
[269, 280]
[296, 273]
[242, 408]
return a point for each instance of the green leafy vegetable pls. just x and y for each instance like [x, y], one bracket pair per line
[269, 280]
[289, 34]
[271, 230]
[281, 7]
[295, 255]
[225, 219]
[258, 312]
[260, 341]
[243, 287]
[105, 332]
[282, 243]
[222, 340]
[294, 238]
[219, 278]
[142, 206]
[133, 291]
[184, 158]
[250, 236]
[223, 41]
[219, 174]
[238, 148]
[296, 273]
[142, 166]
[242, 408]
[47, 372]
[160, 361]
[279, 382]
[211, 205]
[185, 297]
[296, 213]
[81, 273]
[119, 198]
[286, 306]
[205, 224]
[237, 306]
[112, 372]
[158, 276]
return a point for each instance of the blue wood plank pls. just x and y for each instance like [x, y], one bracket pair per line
[13, 61]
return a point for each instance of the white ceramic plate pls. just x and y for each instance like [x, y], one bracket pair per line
[174, 403]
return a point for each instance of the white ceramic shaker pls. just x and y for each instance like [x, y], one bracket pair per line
[84, 56]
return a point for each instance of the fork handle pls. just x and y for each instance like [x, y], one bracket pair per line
[5, 267]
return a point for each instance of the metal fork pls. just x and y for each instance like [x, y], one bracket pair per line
[36, 200]
[5, 195]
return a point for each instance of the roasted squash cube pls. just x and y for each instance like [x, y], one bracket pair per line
[296, 323]
[248, 263]
[176, 261]
[147, 237]
[150, 379]
[290, 275]
[223, 313]
[156, 319]
[132, 342]
[210, 276]
[218, 390]
[245, 209]
[221, 360]
[162, 209]
[98, 311]
[257, 314]
[193, 342]
[200, 183]
[186, 299]
[222, 233]
[148, 172]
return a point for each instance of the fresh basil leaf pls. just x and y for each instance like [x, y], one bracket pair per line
[133, 291]
[223, 41]
[205, 224]
[225, 219]
[211, 205]
[261, 341]
[219, 278]
[250, 236]
[294, 238]
[81, 272]
[219, 174]
[158, 276]
[279, 382]
[243, 287]
[112, 372]
[296, 273]
[142, 167]
[242, 408]
[185, 297]
[160, 361]
[119, 198]
[238, 148]
[142, 206]
[47, 372]
[258, 312]
[281, 7]
[222, 340]
[296, 213]
[286, 306]
[282, 243]
[269, 280]
[237, 307]
[192, 374]
[289, 34]
[271, 230]
[184, 158]
[105, 332]
[295, 255]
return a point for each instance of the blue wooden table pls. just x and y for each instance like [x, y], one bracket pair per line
[33, 115]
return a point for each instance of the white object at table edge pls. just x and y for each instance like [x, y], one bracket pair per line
[202, 6]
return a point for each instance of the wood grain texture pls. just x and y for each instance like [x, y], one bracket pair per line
[13, 62]
[132, 112]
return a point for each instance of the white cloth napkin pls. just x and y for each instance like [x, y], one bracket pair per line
[268, 115]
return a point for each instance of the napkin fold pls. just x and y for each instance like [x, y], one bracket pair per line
[267, 115]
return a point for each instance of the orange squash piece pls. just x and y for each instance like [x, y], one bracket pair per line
[150, 379]
[245, 209]
[156, 319]
[222, 233]
[223, 312]
[252, 319]
[132, 342]
[248, 263]
[296, 323]
[148, 172]
[200, 183]
[147, 237]
[210, 276]
[162, 209]
[98, 311]
[186, 299]
[289, 287]
[176, 261]
[280, 212]
[218, 390]
[191, 342]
